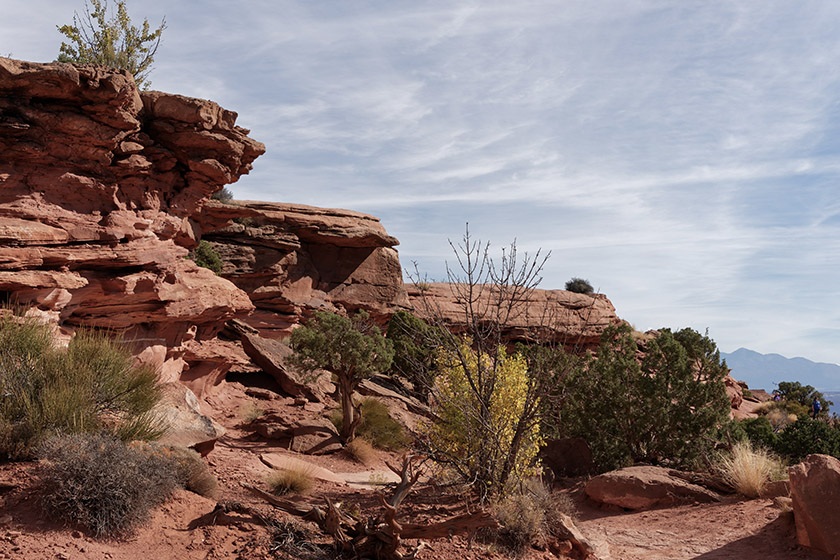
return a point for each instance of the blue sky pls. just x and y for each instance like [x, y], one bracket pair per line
[683, 156]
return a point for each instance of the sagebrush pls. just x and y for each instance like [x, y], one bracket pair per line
[101, 483]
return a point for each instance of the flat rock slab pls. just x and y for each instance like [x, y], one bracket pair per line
[369, 479]
[290, 462]
[272, 355]
[645, 487]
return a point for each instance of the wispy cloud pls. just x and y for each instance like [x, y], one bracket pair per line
[683, 156]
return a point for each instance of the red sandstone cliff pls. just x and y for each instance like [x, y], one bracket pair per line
[99, 186]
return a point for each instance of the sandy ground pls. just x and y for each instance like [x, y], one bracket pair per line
[736, 529]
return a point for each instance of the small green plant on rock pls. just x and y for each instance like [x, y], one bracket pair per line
[579, 286]
[206, 256]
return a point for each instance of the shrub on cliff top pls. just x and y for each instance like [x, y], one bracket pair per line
[91, 386]
[579, 286]
[109, 39]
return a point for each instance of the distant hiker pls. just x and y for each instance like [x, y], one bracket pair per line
[815, 408]
[776, 396]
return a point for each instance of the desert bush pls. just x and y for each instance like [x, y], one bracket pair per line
[798, 398]
[293, 538]
[780, 418]
[91, 386]
[250, 411]
[579, 286]
[190, 470]
[222, 195]
[530, 515]
[477, 440]
[759, 431]
[376, 426]
[290, 481]
[101, 483]
[414, 350]
[361, 450]
[111, 40]
[665, 408]
[748, 469]
[206, 256]
[806, 436]
[351, 349]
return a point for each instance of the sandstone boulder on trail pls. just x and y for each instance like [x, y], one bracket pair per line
[815, 491]
[645, 487]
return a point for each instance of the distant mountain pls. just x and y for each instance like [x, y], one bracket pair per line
[765, 371]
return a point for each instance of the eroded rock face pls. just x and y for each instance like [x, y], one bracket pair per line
[100, 186]
[645, 487]
[575, 320]
[815, 491]
[293, 260]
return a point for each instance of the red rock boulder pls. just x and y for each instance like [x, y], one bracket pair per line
[815, 491]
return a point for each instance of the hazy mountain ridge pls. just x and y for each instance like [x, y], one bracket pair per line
[765, 371]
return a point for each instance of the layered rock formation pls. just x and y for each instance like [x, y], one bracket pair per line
[100, 185]
[574, 320]
[293, 260]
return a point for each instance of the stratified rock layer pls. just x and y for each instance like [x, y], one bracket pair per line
[99, 188]
[293, 260]
[574, 320]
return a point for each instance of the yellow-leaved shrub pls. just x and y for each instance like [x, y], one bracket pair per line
[480, 405]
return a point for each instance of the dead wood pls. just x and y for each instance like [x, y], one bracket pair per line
[380, 536]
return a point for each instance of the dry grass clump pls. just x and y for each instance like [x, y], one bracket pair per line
[530, 516]
[361, 450]
[191, 472]
[290, 481]
[749, 469]
[101, 483]
[780, 418]
[251, 411]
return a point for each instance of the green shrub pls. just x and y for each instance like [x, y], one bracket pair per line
[222, 195]
[206, 256]
[414, 355]
[101, 483]
[579, 286]
[759, 431]
[664, 409]
[94, 385]
[377, 426]
[806, 436]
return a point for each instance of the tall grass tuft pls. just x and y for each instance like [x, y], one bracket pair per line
[749, 469]
[91, 386]
[290, 481]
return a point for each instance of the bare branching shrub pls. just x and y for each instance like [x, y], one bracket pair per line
[290, 481]
[293, 539]
[749, 469]
[493, 296]
[101, 483]
[361, 450]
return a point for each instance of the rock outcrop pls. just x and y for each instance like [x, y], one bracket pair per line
[574, 320]
[100, 187]
[293, 260]
[815, 491]
[644, 487]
